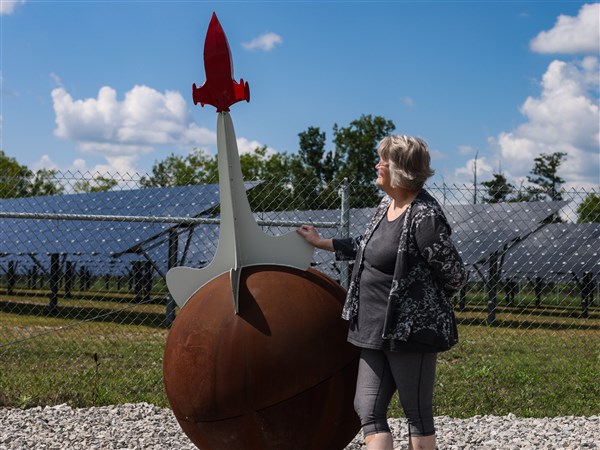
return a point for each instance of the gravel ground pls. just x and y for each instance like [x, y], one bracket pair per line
[146, 427]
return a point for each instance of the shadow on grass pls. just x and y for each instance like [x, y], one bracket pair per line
[569, 312]
[98, 296]
[529, 324]
[87, 314]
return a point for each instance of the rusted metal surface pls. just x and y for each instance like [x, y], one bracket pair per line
[278, 375]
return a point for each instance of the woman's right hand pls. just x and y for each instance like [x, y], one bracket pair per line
[310, 234]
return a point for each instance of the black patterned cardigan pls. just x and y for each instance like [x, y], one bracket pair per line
[428, 272]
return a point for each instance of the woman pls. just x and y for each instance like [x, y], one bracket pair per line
[399, 299]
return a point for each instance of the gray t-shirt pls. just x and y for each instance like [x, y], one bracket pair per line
[375, 284]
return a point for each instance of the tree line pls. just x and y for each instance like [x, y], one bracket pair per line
[17, 180]
[308, 179]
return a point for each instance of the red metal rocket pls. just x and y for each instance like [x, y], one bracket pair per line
[220, 89]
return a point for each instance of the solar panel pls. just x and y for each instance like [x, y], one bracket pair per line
[556, 249]
[27, 242]
[481, 230]
[478, 230]
[42, 236]
[323, 260]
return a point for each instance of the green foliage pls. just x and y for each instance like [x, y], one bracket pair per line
[498, 189]
[97, 184]
[14, 178]
[589, 209]
[356, 148]
[43, 182]
[198, 167]
[17, 180]
[544, 177]
[306, 180]
[275, 192]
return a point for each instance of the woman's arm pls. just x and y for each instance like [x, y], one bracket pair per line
[344, 248]
[312, 236]
[432, 236]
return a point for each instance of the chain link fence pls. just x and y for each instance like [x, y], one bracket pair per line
[85, 312]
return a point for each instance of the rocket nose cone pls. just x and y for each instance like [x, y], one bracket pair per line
[214, 23]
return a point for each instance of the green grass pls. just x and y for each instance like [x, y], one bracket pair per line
[532, 362]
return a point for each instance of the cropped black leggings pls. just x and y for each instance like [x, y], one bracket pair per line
[380, 373]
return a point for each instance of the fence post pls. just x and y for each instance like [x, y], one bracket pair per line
[54, 281]
[587, 293]
[345, 230]
[462, 296]
[171, 262]
[493, 276]
[69, 278]
[147, 277]
[11, 276]
[538, 287]
[138, 280]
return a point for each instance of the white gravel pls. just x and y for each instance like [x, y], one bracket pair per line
[143, 426]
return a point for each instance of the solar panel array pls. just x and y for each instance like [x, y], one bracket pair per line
[28, 241]
[484, 229]
[556, 249]
[42, 236]
[478, 231]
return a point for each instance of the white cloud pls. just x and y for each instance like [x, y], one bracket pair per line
[265, 42]
[199, 135]
[247, 146]
[8, 6]
[118, 165]
[484, 170]
[564, 118]
[144, 117]
[45, 162]
[79, 164]
[122, 130]
[579, 34]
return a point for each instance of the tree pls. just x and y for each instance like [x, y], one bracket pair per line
[312, 149]
[544, 176]
[14, 177]
[43, 182]
[498, 189]
[356, 148]
[313, 172]
[198, 167]
[97, 184]
[306, 180]
[275, 193]
[589, 210]
[17, 180]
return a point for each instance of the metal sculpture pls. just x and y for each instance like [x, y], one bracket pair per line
[257, 357]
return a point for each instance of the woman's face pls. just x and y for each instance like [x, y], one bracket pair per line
[384, 178]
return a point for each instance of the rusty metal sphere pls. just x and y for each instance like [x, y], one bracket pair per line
[277, 376]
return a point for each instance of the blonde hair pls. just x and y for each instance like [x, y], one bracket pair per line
[409, 161]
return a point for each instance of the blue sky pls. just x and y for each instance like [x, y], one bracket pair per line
[105, 86]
